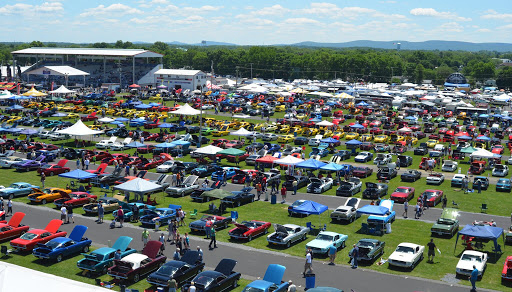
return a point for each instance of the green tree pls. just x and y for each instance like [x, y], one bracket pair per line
[504, 79]
[419, 74]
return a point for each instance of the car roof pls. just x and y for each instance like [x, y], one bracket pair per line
[61, 240]
[473, 252]
[329, 233]
[408, 244]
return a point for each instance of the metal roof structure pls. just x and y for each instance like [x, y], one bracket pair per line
[58, 70]
[135, 53]
[177, 72]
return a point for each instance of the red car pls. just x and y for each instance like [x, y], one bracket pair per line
[146, 149]
[402, 194]
[362, 172]
[241, 175]
[220, 142]
[433, 197]
[100, 170]
[101, 154]
[132, 266]
[375, 123]
[234, 144]
[506, 273]
[13, 228]
[75, 199]
[156, 161]
[477, 167]
[90, 117]
[376, 131]
[498, 149]
[29, 240]
[152, 125]
[448, 114]
[232, 158]
[52, 169]
[249, 230]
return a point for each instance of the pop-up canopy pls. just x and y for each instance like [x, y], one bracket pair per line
[485, 232]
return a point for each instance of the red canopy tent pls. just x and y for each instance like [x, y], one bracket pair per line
[266, 159]
[134, 86]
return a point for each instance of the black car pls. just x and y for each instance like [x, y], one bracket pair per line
[421, 150]
[223, 278]
[375, 190]
[118, 132]
[204, 140]
[196, 194]
[386, 173]
[205, 170]
[111, 178]
[193, 129]
[186, 268]
[404, 160]
[256, 145]
[238, 198]
[349, 188]
[187, 166]
[254, 112]
[301, 141]
[340, 156]
[71, 154]
[369, 249]
[219, 222]
[411, 175]
[484, 182]
[302, 181]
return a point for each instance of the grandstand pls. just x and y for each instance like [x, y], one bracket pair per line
[124, 66]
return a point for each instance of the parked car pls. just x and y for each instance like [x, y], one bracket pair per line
[217, 280]
[9, 162]
[470, 259]
[449, 166]
[402, 194]
[382, 159]
[369, 250]
[75, 199]
[47, 195]
[287, 234]
[322, 242]
[28, 241]
[350, 187]
[411, 175]
[435, 178]
[347, 212]
[182, 270]
[506, 272]
[159, 215]
[500, 170]
[422, 149]
[404, 161]
[503, 185]
[17, 189]
[387, 172]
[457, 180]
[433, 197]
[362, 172]
[374, 191]
[482, 180]
[271, 282]
[319, 185]
[406, 255]
[13, 228]
[219, 222]
[247, 230]
[60, 247]
[363, 157]
[447, 224]
[239, 198]
[302, 181]
[185, 188]
[109, 204]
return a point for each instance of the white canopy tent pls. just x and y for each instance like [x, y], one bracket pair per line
[209, 150]
[79, 129]
[186, 110]
[405, 130]
[14, 278]
[65, 71]
[483, 153]
[62, 90]
[242, 132]
[106, 120]
[325, 124]
[241, 116]
[288, 160]
[138, 186]
[6, 94]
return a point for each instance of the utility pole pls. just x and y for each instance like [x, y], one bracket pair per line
[251, 70]
[236, 77]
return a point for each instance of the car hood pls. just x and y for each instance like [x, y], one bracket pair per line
[319, 243]
[399, 256]
[468, 265]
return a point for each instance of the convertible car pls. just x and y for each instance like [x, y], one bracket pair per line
[60, 247]
[185, 188]
[406, 255]
[247, 230]
[287, 234]
[29, 240]
[369, 249]
[13, 228]
[109, 204]
[182, 271]
[322, 242]
[47, 195]
[17, 189]
[75, 199]
[319, 185]
[217, 280]
[219, 222]
[131, 267]
[350, 187]
[99, 260]
[374, 191]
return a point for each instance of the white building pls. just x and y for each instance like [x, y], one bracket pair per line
[178, 78]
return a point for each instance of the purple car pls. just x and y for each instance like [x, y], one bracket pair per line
[30, 164]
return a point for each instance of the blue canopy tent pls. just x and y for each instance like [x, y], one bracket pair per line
[311, 164]
[311, 208]
[484, 233]
[16, 107]
[29, 132]
[362, 103]
[143, 106]
[464, 138]
[329, 140]
[357, 126]
[165, 145]
[483, 116]
[78, 174]
[122, 119]
[136, 144]
[353, 144]
[483, 138]
[154, 104]
[165, 125]
[373, 210]
[332, 167]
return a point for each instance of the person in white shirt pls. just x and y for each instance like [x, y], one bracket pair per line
[291, 287]
[63, 213]
[309, 263]
[192, 288]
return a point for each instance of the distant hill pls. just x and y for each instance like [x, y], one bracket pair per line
[405, 45]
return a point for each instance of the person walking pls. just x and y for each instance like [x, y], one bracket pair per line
[431, 250]
[406, 207]
[355, 255]
[9, 207]
[283, 194]
[70, 214]
[120, 216]
[43, 179]
[86, 163]
[145, 236]
[445, 201]
[78, 163]
[295, 185]
[200, 251]
[291, 287]
[417, 211]
[208, 227]
[213, 239]
[172, 285]
[332, 254]
[308, 265]
[63, 214]
[473, 278]
[101, 213]
[258, 190]
[176, 255]
[162, 240]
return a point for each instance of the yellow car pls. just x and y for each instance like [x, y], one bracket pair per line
[352, 136]
[94, 127]
[13, 119]
[285, 129]
[413, 140]
[366, 138]
[222, 132]
[72, 116]
[91, 110]
[280, 108]
[110, 111]
[338, 135]
[381, 139]
[209, 121]
[461, 115]
[271, 128]
[258, 127]
[285, 139]
[432, 143]
[297, 130]
[47, 195]
[163, 115]
[326, 133]
[156, 97]
[244, 125]
[302, 116]
[68, 108]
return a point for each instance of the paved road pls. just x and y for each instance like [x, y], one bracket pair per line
[252, 262]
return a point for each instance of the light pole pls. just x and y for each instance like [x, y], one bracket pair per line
[200, 87]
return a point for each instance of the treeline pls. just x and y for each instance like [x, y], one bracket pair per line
[289, 63]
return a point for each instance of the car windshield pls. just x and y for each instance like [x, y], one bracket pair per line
[252, 289]
[203, 280]
[28, 236]
[405, 249]
[53, 244]
[503, 181]
[471, 257]
[401, 190]
[167, 270]
[297, 203]
[430, 194]
[46, 166]
[325, 237]
[14, 186]
[365, 244]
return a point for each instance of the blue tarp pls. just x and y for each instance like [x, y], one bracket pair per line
[464, 138]
[357, 126]
[165, 125]
[362, 103]
[143, 106]
[180, 143]
[353, 142]
[122, 119]
[311, 208]
[29, 132]
[373, 210]
[78, 174]
[165, 145]
[16, 107]
[332, 166]
[311, 164]
[483, 138]
[485, 232]
[136, 144]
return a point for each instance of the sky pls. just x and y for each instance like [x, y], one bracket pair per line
[259, 22]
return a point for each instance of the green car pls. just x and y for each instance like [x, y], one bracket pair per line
[508, 236]
[207, 131]
[448, 224]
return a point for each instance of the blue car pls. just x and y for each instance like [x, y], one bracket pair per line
[162, 215]
[322, 152]
[60, 247]
[271, 282]
[503, 185]
[101, 259]
[128, 210]
[273, 148]
[17, 189]
[345, 169]
[388, 217]
[137, 122]
[230, 172]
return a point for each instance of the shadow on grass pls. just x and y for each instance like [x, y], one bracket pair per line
[404, 270]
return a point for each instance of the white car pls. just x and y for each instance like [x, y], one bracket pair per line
[258, 135]
[8, 162]
[382, 159]
[469, 259]
[509, 161]
[44, 134]
[166, 166]
[58, 136]
[435, 178]
[319, 185]
[104, 144]
[315, 141]
[287, 234]
[406, 255]
[500, 170]
[269, 137]
[450, 166]
[117, 146]
[363, 157]
[208, 107]
[347, 212]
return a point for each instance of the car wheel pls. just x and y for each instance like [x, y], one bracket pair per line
[235, 283]
[238, 204]
[249, 238]
[136, 278]
[342, 245]
[288, 244]
[132, 218]
[51, 173]
[43, 201]
[59, 258]
[67, 170]
[85, 249]
[105, 269]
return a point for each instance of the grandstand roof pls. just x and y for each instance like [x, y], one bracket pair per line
[57, 70]
[177, 72]
[136, 53]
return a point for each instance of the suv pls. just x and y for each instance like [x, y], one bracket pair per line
[421, 150]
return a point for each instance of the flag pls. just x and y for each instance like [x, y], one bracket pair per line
[19, 88]
[52, 86]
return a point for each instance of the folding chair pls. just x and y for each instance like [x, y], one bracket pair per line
[483, 209]
[455, 205]
[193, 214]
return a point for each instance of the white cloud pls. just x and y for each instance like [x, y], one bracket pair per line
[431, 12]
[451, 27]
[117, 9]
[494, 15]
[324, 9]
[483, 30]
[190, 10]
[505, 27]
[275, 10]
[27, 9]
[301, 21]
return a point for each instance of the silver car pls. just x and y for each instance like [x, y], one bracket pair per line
[287, 234]
[185, 188]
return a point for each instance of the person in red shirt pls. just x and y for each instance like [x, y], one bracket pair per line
[283, 194]
[120, 216]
